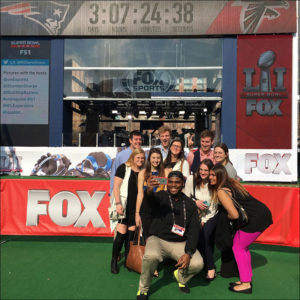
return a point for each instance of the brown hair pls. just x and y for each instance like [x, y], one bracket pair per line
[167, 161]
[223, 180]
[225, 149]
[209, 165]
[207, 133]
[161, 169]
[163, 129]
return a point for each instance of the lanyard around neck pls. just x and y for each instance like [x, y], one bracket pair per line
[184, 211]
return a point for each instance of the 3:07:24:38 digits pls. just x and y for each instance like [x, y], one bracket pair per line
[147, 12]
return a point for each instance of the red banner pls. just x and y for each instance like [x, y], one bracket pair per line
[264, 86]
[284, 205]
[80, 208]
[55, 207]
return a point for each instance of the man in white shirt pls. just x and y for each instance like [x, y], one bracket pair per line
[165, 134]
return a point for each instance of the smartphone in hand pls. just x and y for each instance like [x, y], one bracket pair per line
[162, 180]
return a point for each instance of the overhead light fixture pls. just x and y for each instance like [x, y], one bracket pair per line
[114, 112]
[204, 109]
[154, 112]
[129, 117]
[142, 112]
[181, 112]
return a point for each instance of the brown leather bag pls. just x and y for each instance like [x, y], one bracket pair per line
[136, 252]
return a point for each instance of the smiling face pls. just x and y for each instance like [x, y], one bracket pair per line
[176, 148]
[155, 160]
[165, 138]
[206, 144]
[174, 185]
[219, 155]
[135, 142]
[139, 160]
[212, 177]
[203, 171]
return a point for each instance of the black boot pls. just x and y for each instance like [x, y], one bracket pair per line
[129, 238]
[117, 246]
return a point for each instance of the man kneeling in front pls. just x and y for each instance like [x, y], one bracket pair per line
[174, 234]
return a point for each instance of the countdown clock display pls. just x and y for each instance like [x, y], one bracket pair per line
[142, 17]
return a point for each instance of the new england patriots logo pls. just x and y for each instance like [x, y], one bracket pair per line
[253, 13]
[49, 15]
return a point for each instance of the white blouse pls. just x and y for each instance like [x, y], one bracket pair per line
[185, 167]
[204, 195]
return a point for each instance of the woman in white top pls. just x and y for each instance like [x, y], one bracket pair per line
[175, 158]
[198, 188]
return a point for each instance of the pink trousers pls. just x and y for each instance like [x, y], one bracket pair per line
[241, 242]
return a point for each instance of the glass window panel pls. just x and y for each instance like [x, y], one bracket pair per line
[195, 65]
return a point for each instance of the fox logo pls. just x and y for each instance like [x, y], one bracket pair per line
[49, 16]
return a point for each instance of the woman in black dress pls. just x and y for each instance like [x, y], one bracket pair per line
[125, 191]
[259, 218]
[154, 168]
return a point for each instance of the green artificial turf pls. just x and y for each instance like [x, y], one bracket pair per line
[79, 268]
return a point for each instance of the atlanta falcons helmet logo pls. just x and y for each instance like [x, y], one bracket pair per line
[253, 13]
[49, 16]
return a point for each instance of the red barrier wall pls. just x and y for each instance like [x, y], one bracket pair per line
[68, 204]
[53, 217]
[284, 205]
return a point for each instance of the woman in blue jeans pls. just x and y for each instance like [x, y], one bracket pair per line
[259, 218]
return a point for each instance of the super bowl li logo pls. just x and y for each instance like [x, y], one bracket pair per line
[263, 98]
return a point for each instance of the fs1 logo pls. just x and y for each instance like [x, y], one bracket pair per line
[148, 81]
[267, 163]
[74, 214]
[262, 98]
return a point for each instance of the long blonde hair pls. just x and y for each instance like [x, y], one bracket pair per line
[223, 180]
[130, 161]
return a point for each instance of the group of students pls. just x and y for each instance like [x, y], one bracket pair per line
[139, 189]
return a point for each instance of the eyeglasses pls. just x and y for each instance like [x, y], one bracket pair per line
[176, 146]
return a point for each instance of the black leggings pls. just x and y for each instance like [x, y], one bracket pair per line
[207, 242]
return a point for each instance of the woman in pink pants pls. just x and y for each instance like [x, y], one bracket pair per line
[259, 218]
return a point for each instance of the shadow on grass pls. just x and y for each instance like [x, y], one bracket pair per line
[165, 278]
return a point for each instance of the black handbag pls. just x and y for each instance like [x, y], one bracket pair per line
[243, 217]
